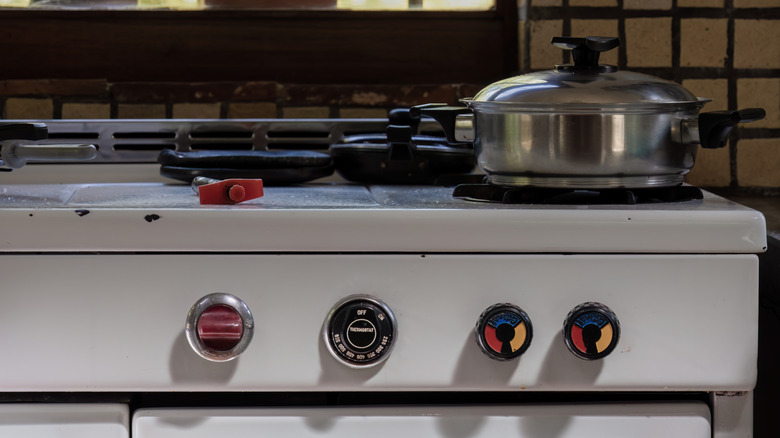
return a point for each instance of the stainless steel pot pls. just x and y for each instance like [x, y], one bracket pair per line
[586, 125]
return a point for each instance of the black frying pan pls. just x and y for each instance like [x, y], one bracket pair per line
[273, 167]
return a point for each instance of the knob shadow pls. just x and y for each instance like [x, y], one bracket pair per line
[475, 370]
[186, 367]
[562, 367]
[334, 373]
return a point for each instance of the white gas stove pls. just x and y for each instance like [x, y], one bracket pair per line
[339, 309]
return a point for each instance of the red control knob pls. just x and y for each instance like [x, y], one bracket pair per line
[220, 328]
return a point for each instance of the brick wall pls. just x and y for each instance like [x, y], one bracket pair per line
[82, 99]
[728, 50]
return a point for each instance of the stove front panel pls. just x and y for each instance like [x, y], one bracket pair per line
[116, 322]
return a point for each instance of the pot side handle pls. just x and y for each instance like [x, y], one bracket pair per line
[446, 115]
[715, 126]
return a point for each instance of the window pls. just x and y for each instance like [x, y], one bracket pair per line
[286, 46]
[372, 5]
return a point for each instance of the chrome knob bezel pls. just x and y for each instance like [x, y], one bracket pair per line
[482, 321]
[327, 329]
[219, 299]
[591, 307]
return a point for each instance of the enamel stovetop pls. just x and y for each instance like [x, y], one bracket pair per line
[342, 217]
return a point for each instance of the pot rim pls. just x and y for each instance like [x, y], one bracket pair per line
[590, 108]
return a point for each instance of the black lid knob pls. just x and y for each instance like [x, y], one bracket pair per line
[585, 52]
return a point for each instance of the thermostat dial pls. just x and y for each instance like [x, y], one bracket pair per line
[360, 331]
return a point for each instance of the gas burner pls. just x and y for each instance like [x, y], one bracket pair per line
[541, 195]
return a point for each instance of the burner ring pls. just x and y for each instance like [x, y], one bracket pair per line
[587, 182]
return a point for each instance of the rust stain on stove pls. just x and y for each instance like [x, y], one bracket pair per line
[731, 393]
[82, 212]
[151, 217]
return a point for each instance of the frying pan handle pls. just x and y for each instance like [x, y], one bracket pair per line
[715, 126]
[23, 131]
[447, 116]
[399, 139]
[403, 117]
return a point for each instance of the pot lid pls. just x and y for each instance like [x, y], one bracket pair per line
[585, 82]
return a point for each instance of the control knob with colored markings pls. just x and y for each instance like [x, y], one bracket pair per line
[503, 331]
[591, 331]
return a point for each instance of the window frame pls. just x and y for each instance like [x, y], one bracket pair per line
[305, 46]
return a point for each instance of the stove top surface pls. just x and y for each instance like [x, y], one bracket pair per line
[356, 218]
[307, 196]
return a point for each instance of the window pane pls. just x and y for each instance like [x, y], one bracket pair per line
[479, 5]
[376, 5]
[170, 4]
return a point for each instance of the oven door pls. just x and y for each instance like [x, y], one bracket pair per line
[64, 420]
[637, 420]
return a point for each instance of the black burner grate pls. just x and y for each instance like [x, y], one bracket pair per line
[540, 195]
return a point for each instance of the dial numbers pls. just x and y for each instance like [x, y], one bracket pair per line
[360, 331]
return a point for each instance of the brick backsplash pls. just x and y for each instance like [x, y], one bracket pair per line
[252, 110]
[28, 108]
[757, 44]
[725, 50]
[541, 53]
[700, 3]
[187, 110]
[703, 42]
[306, 112]
[715, 89]
[763, 93]
[141, 111]
[648, 42]
[758, 163]
[86, 111]
[647, 4]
